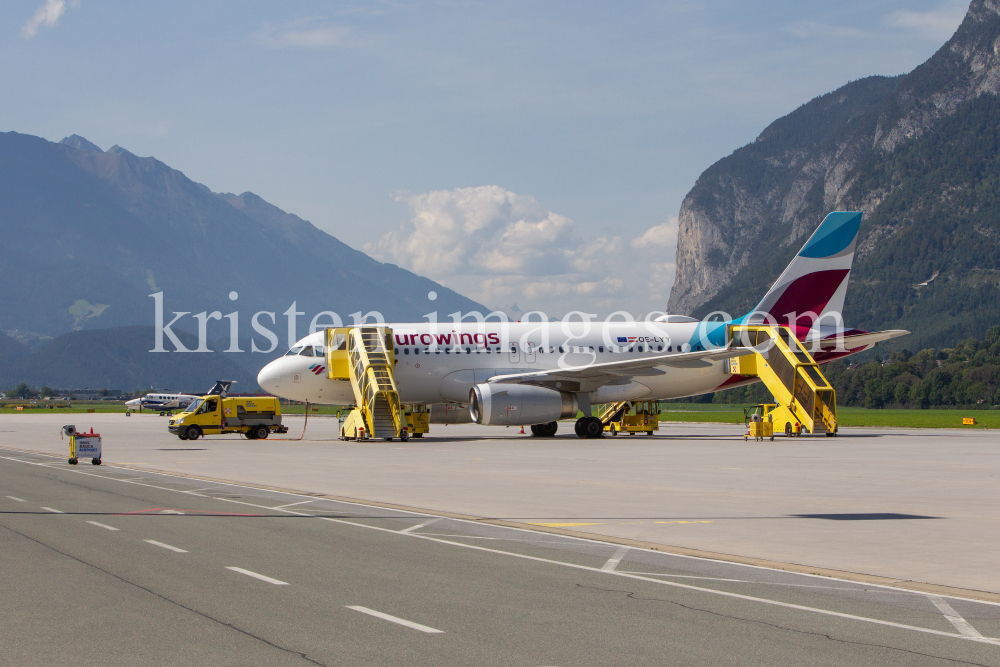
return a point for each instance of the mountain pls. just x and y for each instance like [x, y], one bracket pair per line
[119, 358]
[87, 235]
[10, 350]
[918, 153]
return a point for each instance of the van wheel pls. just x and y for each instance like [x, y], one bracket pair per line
[193, 433]
[182, 436]
[250, 435]
[261, 432]
[788, 430]
[418, 435]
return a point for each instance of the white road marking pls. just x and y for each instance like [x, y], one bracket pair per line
[165, 546]
[301, 502]
[396, 619]
[987, 640]
[101, 525]
[420, 525]
[49, 509]
[269, 580]
[20, 500]
[949, 612]
[614, 560]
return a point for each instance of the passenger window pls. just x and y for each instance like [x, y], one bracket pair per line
[468, 351]
[560, 349]
[659, 348]
[697, 348]
[600, 348]
[406, 350]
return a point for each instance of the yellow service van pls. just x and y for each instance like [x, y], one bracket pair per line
[254, 416]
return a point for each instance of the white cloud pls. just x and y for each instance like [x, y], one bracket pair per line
[935, 24]
[48, 14]
[502, 248]
[307, 33]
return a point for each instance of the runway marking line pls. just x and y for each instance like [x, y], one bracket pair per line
[276, 582]
[101, 525]
[682, 522]
[962, 625]
[396, 619]
[165, 546]
[20, 500]
[825, 612]
[302, 502]
[612, 563]
[49, 509]
[420, 525]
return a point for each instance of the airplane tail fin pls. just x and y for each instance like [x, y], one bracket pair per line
[813, 286]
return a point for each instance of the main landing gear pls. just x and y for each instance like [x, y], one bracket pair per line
[589, 427]
[544, 430]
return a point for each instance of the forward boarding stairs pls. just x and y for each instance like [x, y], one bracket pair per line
[803, 396]
[365, 357]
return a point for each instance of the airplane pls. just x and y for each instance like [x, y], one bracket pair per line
[535, 373]
[157, 402]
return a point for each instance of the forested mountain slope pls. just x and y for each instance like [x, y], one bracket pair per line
[919, 154]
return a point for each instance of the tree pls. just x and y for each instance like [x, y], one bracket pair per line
[22, 391]
[46, 392]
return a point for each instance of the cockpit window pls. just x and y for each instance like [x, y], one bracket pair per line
[320, 350]
[307, 351]
[292, 352]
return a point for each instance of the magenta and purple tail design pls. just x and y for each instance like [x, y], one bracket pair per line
[811, 290]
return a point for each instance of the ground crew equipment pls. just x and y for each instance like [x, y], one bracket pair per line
[631, 417]
[804, 399]
[255, 417]
[82, 445]
[758, 421]
[365, 357]
[417, 419]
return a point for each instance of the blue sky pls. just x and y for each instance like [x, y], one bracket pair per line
[569, 129]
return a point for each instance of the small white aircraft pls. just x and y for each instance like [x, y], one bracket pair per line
[535, 373]
[158, 402]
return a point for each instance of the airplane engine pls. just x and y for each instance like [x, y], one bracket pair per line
[519, 404]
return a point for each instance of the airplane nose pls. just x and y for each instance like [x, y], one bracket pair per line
[269, 378]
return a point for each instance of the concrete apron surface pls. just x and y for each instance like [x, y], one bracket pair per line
[914, 508]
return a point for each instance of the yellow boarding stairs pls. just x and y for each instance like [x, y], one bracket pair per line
[365, 357]
[805, 400]
[631, 417]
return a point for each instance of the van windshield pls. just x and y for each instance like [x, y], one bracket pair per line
[195, 404]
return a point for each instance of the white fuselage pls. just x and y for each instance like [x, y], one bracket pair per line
[441, 363]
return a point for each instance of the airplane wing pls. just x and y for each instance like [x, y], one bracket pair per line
[862, 340]
[592, 376]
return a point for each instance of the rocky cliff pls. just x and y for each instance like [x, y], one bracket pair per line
[916, 153]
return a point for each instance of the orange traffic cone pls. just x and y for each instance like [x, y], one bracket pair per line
[521, 432]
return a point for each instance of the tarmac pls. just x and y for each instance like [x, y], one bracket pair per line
[910, 508]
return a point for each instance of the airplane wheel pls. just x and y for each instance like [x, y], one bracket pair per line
[261, 432]
[788, 430]
[534, 431]
[548, 430]
[592, 427]
[578, 427]
[193, 433]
